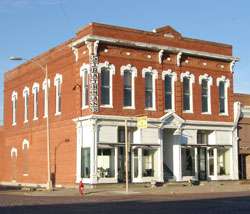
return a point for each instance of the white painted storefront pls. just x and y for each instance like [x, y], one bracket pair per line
[169, 149]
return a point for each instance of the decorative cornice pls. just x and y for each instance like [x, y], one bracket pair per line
[150, 70]
[96, 43]
[206, 77]
[188, 75]
[160, 56]
[151, 46]
[170, 73]
[106, 64]
[75, 52]
[130, 68]
[232, 65]
[178, 59]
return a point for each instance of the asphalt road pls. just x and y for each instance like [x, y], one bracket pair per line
[218, 203]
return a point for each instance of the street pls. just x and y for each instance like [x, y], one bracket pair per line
[206, 203]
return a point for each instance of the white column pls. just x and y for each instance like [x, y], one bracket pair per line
[177, 159]
[160, 156]
[140, 165]
[93, 152]
[234, 156]
[78, 150]
[215, 164]
[196, 163]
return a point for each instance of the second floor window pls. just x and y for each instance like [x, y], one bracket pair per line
[105, 86]
[35, 90]
[26, 103]
[85, 93]
[168, 92]
[222, 97]
[186, 94]
[204, 95]
[148, 90]
[58, 85]
[45, 103]
[14, 107]
[127, 89]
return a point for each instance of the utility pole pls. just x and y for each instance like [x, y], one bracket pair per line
[126, 153]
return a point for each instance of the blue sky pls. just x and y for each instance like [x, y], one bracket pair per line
[29, 27]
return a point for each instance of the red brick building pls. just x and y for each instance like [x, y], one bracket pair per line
[244, 135]
[107, 74]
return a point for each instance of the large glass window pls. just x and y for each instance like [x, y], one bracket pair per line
[85, 97]
[211, 161]
[223, 161]
[58, 95]
[222, 98]
[127, 90]
[148, 90]
[148, 162]
[136, 163]
[105, 86]
[14, 108]
[188, 161]
[186, 94]
[204, 95]
[85, 162]
[168, 92]
[35, 92]
[106, 163]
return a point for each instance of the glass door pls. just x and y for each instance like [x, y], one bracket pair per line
[202, 163]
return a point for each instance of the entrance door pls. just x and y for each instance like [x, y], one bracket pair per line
[202, 163]
[121, 165]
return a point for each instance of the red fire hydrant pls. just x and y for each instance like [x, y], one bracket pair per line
[81, 188]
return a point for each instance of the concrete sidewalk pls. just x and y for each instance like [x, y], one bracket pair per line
[140, 189]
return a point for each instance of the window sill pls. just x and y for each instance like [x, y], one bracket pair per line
[35, 118]
[128, 107]
[169, 110]
[188, 112]
[45, 116]
[84, 107]
[58, 113]
[26, 121]
[206, 113]
[25, 175]
[150, 109]
[106, 106]
[223, 114]
[13, 124]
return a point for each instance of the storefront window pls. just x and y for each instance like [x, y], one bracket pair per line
[223, 161]
[188, 162]
[211, 161]
[106, 163]
[135, 163]
[148, 162]
[85, 162]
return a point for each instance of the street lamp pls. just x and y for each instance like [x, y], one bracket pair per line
[45, 70]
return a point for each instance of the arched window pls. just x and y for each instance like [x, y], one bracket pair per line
[14, 107]
[45, 103]
[25, 147]
[150, 76]
[13, 154]
[58, 85]
[35, 90]
[187, 91]
[85, 92]
[26, 103]
[223, 84]
[106, 71]
[205, 81]
[129, 73]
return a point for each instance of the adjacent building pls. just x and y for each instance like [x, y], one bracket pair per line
[244, 135]
[106, 75]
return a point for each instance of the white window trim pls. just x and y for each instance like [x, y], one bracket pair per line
[35, 99]
[82, 75]
[58, 77]
[14, 98]
[13, 150]
[173, 76]
[44, 98]
[133, 71]
[25, 142]
[26, 93]
[154, 73]
[227, 85]
[111, 68]
[191, 82]
[209, 84]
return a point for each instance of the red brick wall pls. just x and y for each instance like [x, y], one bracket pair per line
[1, 151]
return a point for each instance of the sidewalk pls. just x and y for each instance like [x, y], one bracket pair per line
[140, 189]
